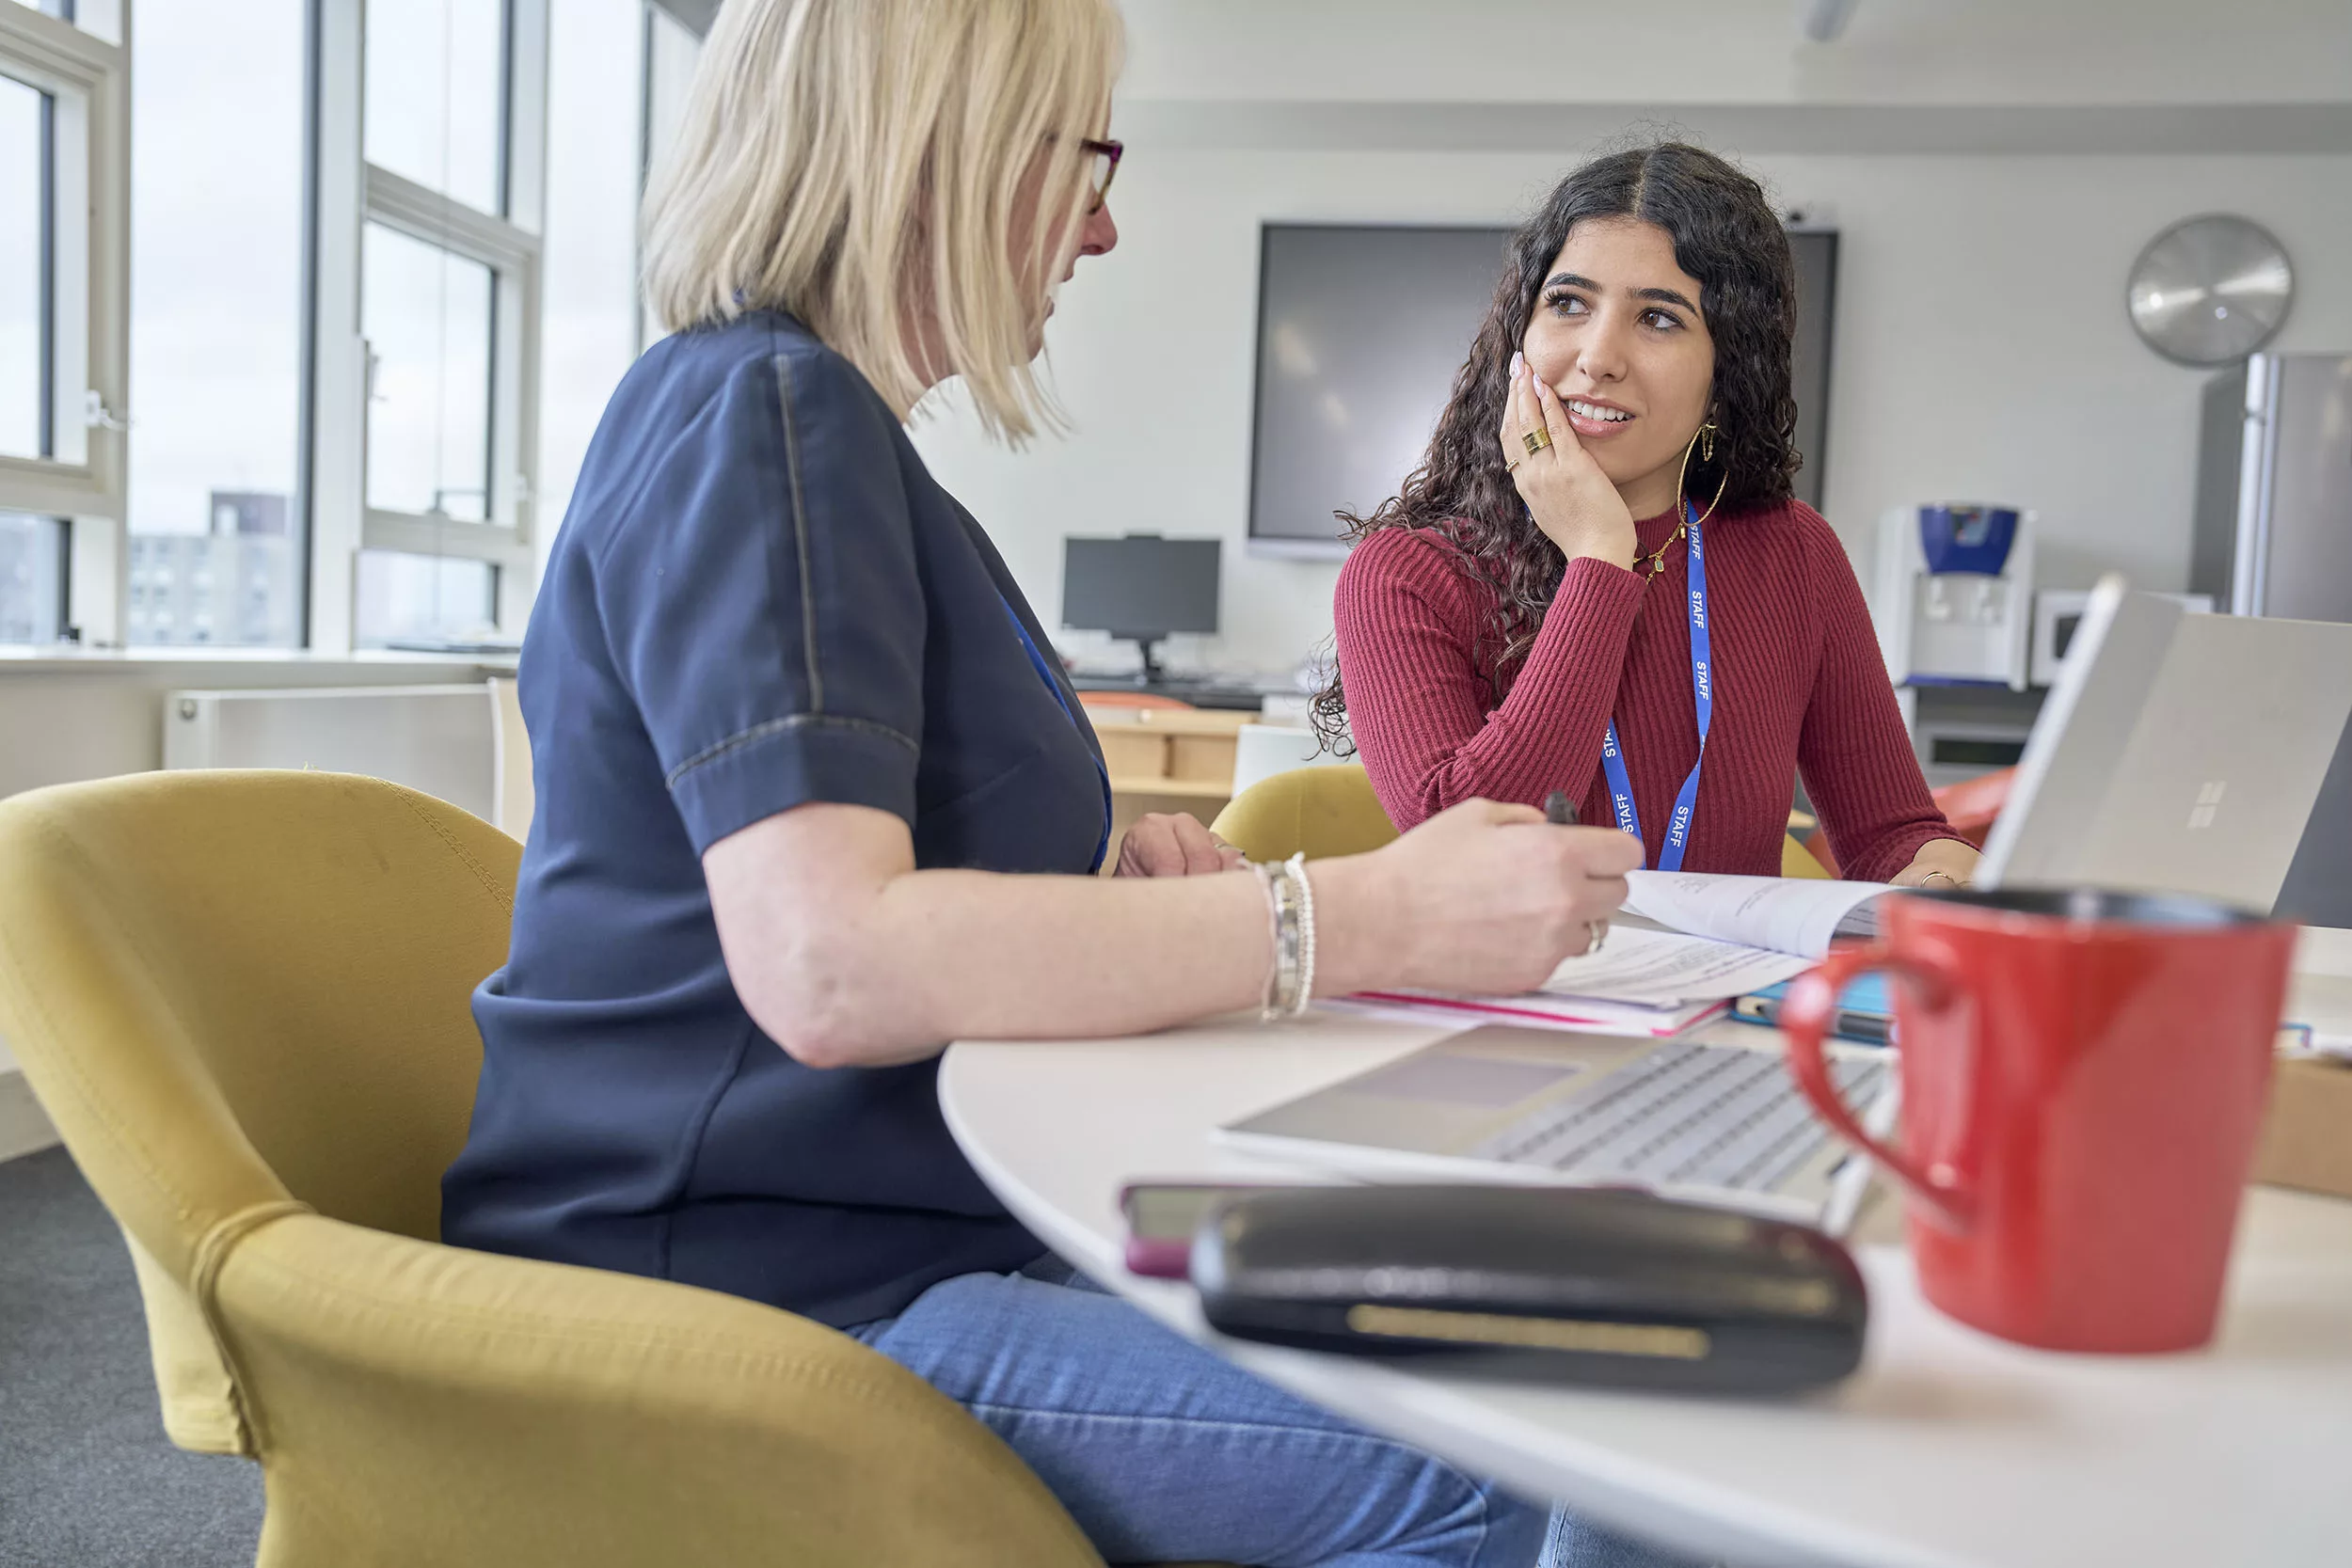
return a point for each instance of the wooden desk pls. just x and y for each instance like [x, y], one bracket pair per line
[1950, 1449]
[1166, 760]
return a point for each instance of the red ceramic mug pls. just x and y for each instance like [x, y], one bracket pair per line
[2084, 1075]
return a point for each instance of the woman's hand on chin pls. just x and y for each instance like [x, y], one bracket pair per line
[1570, 498]
[1173, 844]
[1940, 863]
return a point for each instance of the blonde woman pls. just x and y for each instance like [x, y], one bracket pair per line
[812, 802]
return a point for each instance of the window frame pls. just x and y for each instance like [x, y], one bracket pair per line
[88, 302]
[347, 193]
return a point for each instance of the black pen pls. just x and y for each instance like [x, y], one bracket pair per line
[1559, 810]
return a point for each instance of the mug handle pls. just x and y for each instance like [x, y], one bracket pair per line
[1805, 1017]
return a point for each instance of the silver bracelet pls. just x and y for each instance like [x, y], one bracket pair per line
[1297, 867]
[1274, 939]
[1280, 996]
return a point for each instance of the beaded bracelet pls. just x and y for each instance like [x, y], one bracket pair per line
[1297, 867]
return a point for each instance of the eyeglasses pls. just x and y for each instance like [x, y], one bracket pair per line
[1101, 166]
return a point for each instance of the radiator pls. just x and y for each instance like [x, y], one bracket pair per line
[438, 739]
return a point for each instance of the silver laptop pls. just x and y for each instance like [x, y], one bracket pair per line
[1719, 1124]
[2176, 753]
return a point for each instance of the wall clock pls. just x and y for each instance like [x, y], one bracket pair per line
[2210, 289]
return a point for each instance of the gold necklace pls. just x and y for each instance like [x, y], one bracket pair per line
[1702, 438]
[1656, 562]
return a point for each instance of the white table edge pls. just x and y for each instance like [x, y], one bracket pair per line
[1654, 1501]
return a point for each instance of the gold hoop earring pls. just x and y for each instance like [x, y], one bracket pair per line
[1704, 432]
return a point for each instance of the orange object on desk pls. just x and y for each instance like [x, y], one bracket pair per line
[1969, 806]
[1129, 699]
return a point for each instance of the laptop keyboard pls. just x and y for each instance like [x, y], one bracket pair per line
[1687, 1115]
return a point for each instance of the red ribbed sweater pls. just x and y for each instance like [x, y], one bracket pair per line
[1800, 686]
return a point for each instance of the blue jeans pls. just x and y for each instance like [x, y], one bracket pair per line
[1163, 1452]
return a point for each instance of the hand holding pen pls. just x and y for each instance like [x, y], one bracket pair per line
[1561, 813]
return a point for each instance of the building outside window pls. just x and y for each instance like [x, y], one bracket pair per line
[32, 577]
[218, 112]
[381, 280]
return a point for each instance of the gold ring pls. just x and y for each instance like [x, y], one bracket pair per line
[1536, 441]
[1513, 464]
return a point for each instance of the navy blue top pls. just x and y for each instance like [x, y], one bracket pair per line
[759, 598]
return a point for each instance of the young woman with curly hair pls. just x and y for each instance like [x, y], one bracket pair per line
[1599, 581]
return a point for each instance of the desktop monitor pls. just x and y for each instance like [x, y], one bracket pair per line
[1139, 586]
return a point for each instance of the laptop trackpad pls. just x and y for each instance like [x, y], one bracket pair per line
[1444, 1077]
[1443, 1098]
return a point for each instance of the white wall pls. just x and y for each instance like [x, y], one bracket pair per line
[1982, 350]
[1992, 169]
[1906, 52]
[68, 716]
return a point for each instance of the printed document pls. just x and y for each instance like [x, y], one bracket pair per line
[1661, 969]
[1788, 914]
[1727, 936]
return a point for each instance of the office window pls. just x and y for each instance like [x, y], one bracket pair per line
[424, 600]
[32, 577]
[61, 10]
[99, 17]
[426, 315]
[425, 442]
[377, 315]
[595, 59]
[436, 96]
[64, 115]
[23, 267]
[671, 52]
[217, 548]
[449, 329]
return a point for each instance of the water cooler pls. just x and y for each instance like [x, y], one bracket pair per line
[1954, 600]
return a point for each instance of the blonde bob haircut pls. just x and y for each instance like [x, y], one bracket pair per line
[858, 165]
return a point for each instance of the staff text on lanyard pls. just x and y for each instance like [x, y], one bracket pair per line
[1703, 694]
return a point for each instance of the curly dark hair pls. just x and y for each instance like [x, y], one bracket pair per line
[1727, 236]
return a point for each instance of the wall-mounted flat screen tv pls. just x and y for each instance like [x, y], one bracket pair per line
[1361, 329]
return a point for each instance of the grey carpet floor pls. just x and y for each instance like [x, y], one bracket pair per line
[87, 1479]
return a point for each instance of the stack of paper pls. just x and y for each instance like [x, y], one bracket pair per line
[1732, 935]
[1786, 914]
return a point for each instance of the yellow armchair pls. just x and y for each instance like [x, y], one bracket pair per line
[243, 999]
[1798, 861]
[1319, 811]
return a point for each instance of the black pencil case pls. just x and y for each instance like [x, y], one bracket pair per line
[1594, 1286]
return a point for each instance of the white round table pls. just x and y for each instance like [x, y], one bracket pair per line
[1950, 1449]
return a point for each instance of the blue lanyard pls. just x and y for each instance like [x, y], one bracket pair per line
[1703, 693]
[1046, 674]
